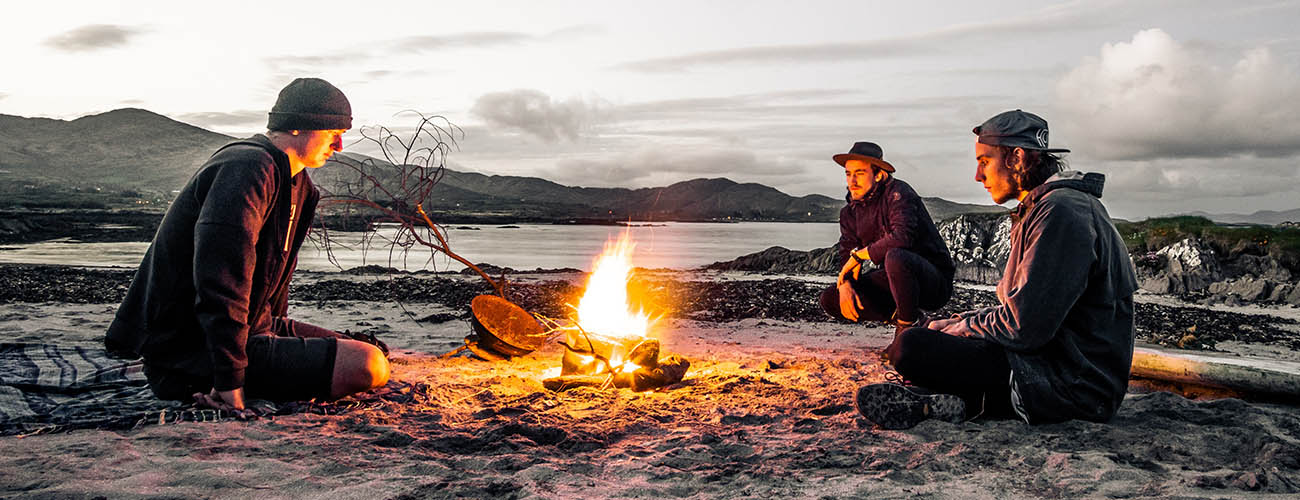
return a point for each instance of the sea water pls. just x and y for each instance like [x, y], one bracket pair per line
[673, 245]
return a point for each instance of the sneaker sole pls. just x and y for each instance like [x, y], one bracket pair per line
[892, 406]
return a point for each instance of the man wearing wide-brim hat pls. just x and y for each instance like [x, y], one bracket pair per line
[1059, 344]
[885, 226]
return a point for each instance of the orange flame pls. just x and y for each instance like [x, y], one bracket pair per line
[604, 309]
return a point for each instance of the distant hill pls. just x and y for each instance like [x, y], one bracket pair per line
[122, 149]
[1266, 217]
[134, 156]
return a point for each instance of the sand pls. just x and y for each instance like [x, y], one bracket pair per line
[764, 412]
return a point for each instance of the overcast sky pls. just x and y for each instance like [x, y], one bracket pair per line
[1185, 105]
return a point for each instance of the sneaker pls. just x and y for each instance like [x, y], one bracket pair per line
[892, 406]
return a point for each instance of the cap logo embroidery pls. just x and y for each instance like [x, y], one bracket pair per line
[1042, 138]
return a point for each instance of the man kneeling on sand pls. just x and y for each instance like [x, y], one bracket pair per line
[206, 308]
[1059, 344]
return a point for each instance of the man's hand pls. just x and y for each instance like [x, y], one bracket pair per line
[231, 401]
[950, 326]
[849, 301]
[852, 267]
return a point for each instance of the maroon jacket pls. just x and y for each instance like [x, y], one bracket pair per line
[219, 266]
[892, 216]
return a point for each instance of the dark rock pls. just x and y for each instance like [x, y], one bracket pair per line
[783, 260]
[1261, 266]
[1280, 292]
[980, 245]
[1293, 298]
[1191, 266]
[1250, 289]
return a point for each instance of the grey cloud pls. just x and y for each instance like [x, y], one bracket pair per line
[1050, 20]
[1155, 98]
[624, 169]
[537, 114]
[208, 119]
[92, 37]
[1168, 180]
[480, 39]
[778, 54]
[486, 39]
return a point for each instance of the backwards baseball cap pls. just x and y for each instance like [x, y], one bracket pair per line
[1017, 129]
[310, 104]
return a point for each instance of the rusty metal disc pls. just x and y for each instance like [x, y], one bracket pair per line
[504, 327]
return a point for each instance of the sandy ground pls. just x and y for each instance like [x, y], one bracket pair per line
[764, 412]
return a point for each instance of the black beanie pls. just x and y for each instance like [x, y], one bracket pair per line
[310, 104]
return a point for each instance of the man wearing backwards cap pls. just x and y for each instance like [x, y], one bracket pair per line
[886, 223]
[1059, 344]
[206, 308]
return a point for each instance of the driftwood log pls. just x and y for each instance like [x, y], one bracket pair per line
[668, 371]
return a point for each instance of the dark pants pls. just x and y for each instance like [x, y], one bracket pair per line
[907, 283]
[974, 369]
[293, 361]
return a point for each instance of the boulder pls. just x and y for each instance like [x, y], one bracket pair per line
[1280, 293]
[1250, 289]
[1190, 266]
[1261, 266]
[783, 260]
[1293, 298]
[980, 245]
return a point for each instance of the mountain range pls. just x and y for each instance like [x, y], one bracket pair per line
[1269, 217]
[134, 157]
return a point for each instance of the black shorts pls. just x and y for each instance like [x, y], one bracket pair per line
[294, 363]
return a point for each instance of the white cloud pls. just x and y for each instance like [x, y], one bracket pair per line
[1154, 98]
[537, 114]
[92, 37]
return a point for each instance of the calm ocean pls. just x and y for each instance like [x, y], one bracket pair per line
[523, 247]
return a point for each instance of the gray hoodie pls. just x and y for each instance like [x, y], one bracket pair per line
[1066, 304]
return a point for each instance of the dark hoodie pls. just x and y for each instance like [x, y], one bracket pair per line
[219, 266]
[1066, 304]
[892, 216]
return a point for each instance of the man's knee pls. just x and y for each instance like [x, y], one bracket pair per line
[905, 349]
[899, 261]
[830, 302]
[358, 366]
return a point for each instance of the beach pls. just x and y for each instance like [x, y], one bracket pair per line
[764, 411]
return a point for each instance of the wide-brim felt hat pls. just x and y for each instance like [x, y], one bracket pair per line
[869, 152]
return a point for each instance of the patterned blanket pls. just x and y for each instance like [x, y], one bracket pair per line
[49, 388]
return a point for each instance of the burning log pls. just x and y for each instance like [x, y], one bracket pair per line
[607, 342]
[668, 371]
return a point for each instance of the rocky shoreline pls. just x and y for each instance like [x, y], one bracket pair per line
[693, 295]
[1191, 269]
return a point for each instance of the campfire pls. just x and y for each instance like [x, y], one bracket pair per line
[609, 343]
